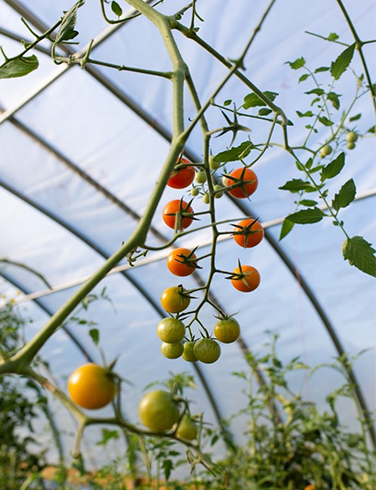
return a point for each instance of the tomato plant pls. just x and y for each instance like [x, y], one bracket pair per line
[181, 262]
[183, 176]
[244, 179]
[174, 299]
[175, 214]
[91, 386]
[172, 351]
[158, 411]
[227, 330]
[207, 350]
[187, 429]
[171, 330]
[245, 279]
[248, 233]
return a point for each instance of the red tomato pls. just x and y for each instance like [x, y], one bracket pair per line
[245, 180]
[252, 233]
[248, 281]
[183, 176]
[177, 264]
[172, 212]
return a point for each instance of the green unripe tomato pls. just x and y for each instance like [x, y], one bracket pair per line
[207, 350]
[351, 137]
[325, 151]
[200, 177]
[187, 429]
[213, 164]
[172, 351]
[194, 191]
[350, 145]
[227, 331]
[217, 194]
[158, 411]
[188, 354]
[171, 330]
[206, 198]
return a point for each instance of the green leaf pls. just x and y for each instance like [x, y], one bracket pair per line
[264, 112]
[333, 36]
[340, 65]
[317, 91]
[227, 102]
[334, 99]
[345, 196]
[69, 20]
[117, 10]
[322, 68]
[360, 254]
[306, 216]
[19, 67]
[308, 202]
[333, 168]
[303, 77]
[287, 226]
[94, 334]
[298, 63]
[107, 435]
[305, 114]
[235, 153]
[168, 466]
[372, 130]
[294, 185]
[325, 121]
[355, 118]
[253, 100]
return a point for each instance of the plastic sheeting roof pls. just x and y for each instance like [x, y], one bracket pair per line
[81, 151]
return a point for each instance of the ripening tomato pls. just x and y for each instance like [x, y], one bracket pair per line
[207, 350]
[187, 429]
[158, 411]
[183, 176]
[172, 351]
[249, 282]
[309, 487]
[189, 354]
[251, 233]
[174, 300]
[178, 264]
[91, 386]
[171, 330]
[227, 331]
[173, 211]
[245, 180]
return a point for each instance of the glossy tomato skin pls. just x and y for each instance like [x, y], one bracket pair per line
[189, 354]
[158, 411]
[171, 330]
[182, 177]
[172, 351]
[207, 350]
[187, 429]
[90, 386]
[169, 214]
[173, 301]
[252, 279]
[177, 265]
[245, 175]
[227, 331]
[249, 240]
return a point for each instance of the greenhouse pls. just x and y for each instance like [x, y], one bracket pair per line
[187, 262]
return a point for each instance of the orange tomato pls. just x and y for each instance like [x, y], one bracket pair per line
[252, 233]
[245, 180]
[183, 176]
[178, 265]
[173, 211]
[91, 386]
[248, 280]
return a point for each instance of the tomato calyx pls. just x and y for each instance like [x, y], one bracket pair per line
[184, 211]
[245, 231]
[241, 275]
[234, 182]
[190, 260]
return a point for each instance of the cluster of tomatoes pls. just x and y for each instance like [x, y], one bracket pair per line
[178, 215]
